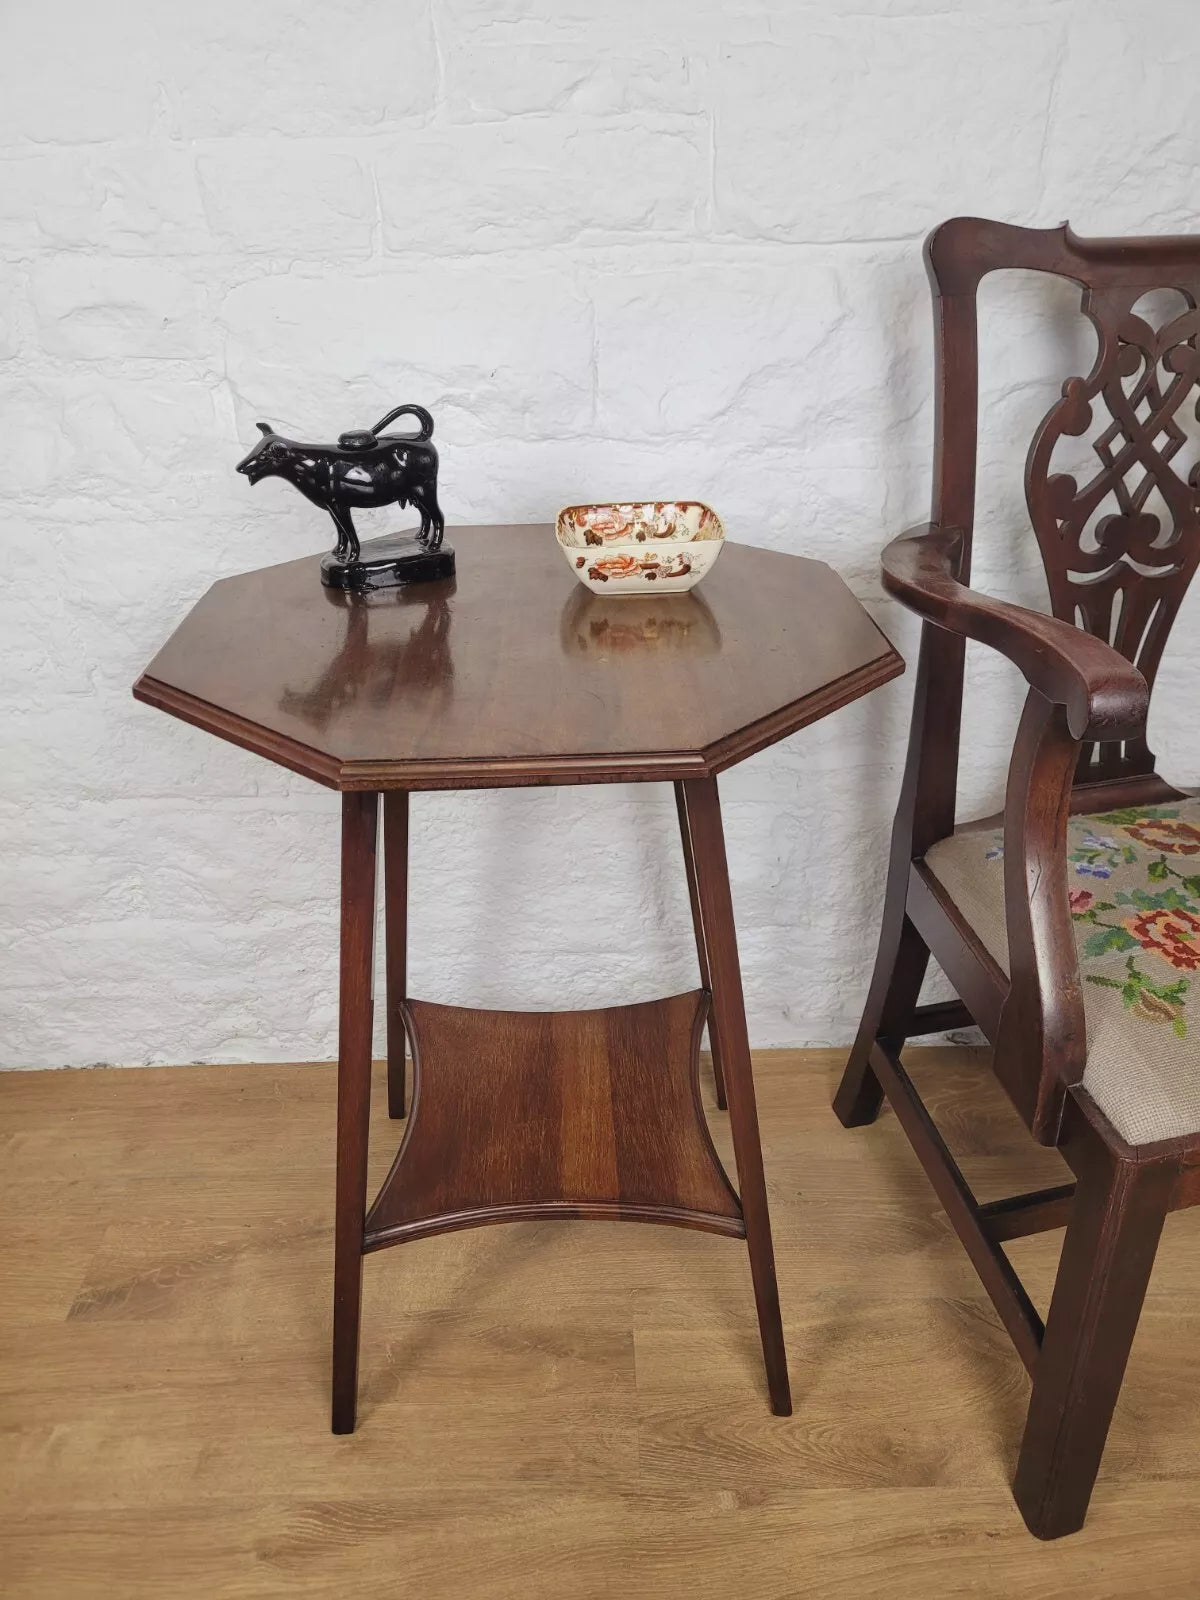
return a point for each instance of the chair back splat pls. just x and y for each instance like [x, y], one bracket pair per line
[1120, 541]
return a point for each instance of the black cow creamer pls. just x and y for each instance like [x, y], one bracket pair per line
[366, 467]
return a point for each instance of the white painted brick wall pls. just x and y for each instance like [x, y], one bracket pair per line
[643, 247]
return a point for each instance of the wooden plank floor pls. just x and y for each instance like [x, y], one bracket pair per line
[553, 1410]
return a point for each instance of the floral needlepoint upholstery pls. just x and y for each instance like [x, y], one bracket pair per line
[1135, 901]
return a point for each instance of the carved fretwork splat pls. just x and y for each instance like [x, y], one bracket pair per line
[1120, 546]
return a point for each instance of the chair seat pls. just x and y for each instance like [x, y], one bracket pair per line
[1135, 901]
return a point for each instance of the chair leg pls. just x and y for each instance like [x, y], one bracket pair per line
[689, 867]
[895, 989]
[360, 827]
[702, 807]
[1116, 1219]
[395, 913]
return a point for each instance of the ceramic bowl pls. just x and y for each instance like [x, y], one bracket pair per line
[640, 547]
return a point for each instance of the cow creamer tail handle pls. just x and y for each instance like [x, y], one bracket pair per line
[419, 412]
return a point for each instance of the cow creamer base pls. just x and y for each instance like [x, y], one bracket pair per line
[388, 563]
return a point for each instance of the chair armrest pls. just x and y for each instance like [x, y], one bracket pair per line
[1104, 695]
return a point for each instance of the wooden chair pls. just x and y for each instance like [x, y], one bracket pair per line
[1071, 927]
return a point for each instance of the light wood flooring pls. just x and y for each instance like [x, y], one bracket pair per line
[548, 1411]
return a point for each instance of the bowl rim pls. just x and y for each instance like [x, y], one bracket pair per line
[717, 536]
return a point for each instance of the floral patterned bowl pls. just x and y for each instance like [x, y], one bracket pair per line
[643, 547]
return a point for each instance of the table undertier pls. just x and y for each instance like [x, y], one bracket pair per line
[521, 1115]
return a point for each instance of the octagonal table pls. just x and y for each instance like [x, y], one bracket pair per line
[513, 674]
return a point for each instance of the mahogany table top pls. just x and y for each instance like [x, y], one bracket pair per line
[513, 673]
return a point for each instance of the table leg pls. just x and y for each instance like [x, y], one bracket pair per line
[360, 828]
[689, 866]
[395, 912]
[702, 808]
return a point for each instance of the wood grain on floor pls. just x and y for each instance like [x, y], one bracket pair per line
[548, 1411]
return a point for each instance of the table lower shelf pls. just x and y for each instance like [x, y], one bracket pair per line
[520, 1115]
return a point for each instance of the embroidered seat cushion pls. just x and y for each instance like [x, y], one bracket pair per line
[1135, 902]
